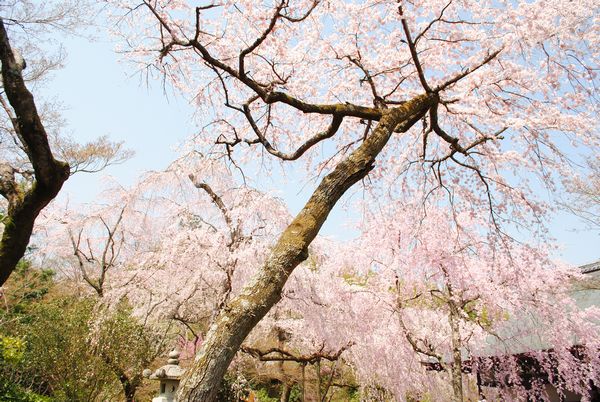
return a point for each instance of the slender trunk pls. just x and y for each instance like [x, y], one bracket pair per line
[129, 384]
[285, 392]
[129, 390]
[286, 389]
[456, 366]
[330, 380]
[303, 367]
[318, 370]
[242, 313]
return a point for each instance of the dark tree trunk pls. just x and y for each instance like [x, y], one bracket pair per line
[50, 174]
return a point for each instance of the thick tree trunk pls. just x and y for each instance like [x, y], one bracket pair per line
[242, 313]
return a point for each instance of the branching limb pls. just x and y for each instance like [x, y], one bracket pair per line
[432, 22]
[328, 133]
[81, 259]
[378, 101]
[304, 16]
[455, 146]
[264, 90]
[279, 354]
[234, 230]
[110, 253]
[260, 39]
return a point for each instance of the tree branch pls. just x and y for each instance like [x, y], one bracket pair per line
[283, 355]
[468, 71]
[413, 50]
[234, 230]
[336, 122]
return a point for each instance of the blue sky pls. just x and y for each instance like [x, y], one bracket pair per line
[103, 96]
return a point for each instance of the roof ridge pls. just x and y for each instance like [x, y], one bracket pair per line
[591, 267]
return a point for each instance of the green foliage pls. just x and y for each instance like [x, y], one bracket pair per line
[53, 347]
[12, 392]
[357, 279]
[12, 349]
[420, 397]
[226, 392]
[123, 343]
[353, 394]
[233, 389]
[57, 359]
[479, 313]
[296, 394]
[263, 396]
[25, 287]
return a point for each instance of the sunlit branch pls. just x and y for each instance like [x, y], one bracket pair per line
[413, 50]
[468, 71]
[279, 354]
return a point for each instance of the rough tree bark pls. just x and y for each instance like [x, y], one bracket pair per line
[24, 205]
[242, 313]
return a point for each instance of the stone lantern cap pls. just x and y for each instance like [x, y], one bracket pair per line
[170, 371]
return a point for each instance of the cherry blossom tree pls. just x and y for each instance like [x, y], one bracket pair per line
[477, 101]
[410, 289]
[87, 245]
[134, 248]
[129, 245]
[421, 294]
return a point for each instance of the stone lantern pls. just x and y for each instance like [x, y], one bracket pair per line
[169, 376]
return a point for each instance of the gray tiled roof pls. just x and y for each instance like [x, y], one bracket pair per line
[588, 268]
[586, 293]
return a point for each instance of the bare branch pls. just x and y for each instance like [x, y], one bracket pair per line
[234, 230]
[260, 39]
[304, 16]
[279, 354]
[413, 50]
[428, 27]
[330, 132]
[264, 91]
[468, 71]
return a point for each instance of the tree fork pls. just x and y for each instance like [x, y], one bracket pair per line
[242, 313]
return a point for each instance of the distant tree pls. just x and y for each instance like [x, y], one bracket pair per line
[493, 85]
[421, 295]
